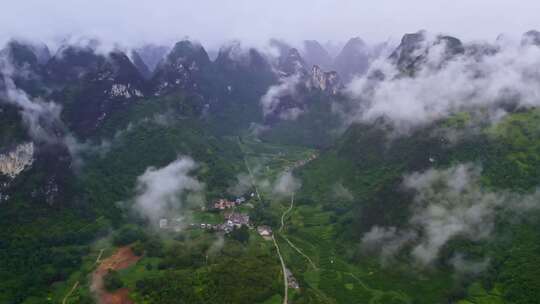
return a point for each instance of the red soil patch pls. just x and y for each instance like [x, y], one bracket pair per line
[120, 296]
[121, 259]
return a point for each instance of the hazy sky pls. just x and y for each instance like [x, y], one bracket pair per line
[132, 22]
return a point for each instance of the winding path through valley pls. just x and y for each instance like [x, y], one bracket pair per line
[285, 213]
[287, 239]
[283, 266]
[284, 270]
[282, 261]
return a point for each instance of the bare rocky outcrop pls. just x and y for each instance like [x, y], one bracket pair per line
[13, 162]
[328, 82]
[123, 90]
[413, 52]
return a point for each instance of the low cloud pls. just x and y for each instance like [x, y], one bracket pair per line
[42, 119]
[448, 203]
[487, 84]
[216, 246]
[78, 148]
[256, 129]
[274, 100]
[286, 184]
[465, 266]
[243, 184]
[386, 241]
[340, 192]
[247, 181]
[162, 192]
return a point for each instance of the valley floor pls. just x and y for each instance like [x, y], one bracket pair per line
[305, 246]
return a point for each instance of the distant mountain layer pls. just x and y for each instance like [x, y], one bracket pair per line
[78, 129]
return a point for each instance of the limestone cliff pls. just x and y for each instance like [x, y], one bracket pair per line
[328, 82]
[13, 162]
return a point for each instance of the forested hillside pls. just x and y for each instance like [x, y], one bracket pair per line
[256, 176]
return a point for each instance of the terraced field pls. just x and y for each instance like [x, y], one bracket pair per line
[314, 234]
[314, 231]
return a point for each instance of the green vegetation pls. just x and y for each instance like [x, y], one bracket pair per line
[372, 171]
[224, 282]
[46, 250]
[43, 244]
[241, 234]
[52, 246]
[206, 270]
[11, 131]
[128, 234]
[514, 160]
[112, 281]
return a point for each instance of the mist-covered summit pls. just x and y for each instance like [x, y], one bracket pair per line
[101, 77]
[316, 54]
[398, 173]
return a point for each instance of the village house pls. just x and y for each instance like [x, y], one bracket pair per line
[292, 282]
[224, 227]
[232, 220]
[301, 162]
[163, 223]
[236, 219]
[174, 224]
[264, 231]
[222, 204]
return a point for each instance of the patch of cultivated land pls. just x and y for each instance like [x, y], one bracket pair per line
[310, 248]
[121, 259]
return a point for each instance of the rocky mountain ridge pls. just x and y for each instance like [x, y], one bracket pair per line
[13, 162]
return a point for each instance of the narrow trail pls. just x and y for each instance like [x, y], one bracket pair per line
[282, 261]
[64, 301]
[287, 239]
[300, 252]
[283, 266]
[284, 270]
[251, 176]
[285, 213]
[98, 259]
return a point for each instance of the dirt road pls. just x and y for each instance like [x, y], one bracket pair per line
[284, 270]
[285, 213]
[64, 301]
[287, 239]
